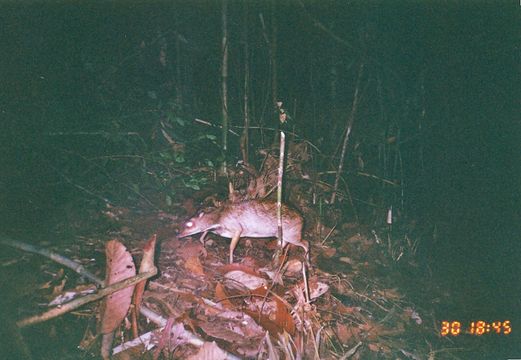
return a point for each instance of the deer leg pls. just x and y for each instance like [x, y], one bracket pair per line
[233, 244]
[201, 239]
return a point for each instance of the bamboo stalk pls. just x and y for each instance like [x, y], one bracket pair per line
[224, 82]
[347, 132]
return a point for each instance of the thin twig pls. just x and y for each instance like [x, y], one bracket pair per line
[71, 264]
[207, 123]
[279, 186]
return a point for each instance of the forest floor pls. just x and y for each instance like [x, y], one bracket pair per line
[351, 300]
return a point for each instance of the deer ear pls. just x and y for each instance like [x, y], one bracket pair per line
[201, 214]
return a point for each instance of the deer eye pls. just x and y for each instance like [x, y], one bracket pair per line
[189, 224]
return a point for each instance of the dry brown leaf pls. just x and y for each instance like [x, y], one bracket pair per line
[343, 333]
[209, 351]
[355, 238]
[236, 328]
[193, 265]
[88, 339]
[57, 289]
[239, 267]
[373, 347]
[283, 318]
[46, 285]
[271, 326]
[409, 313]
[390, 294]
[250, 262]
[328, 252]
[385, 349]
[293, 267]
[189, 249]
[120, 266]
[343, 309]
[346, 260]
[316, 288]
[222, 297]
[375, 330]
[147, 264]
[381, 348]
[260, 291]
[397, 329]
[239, 279]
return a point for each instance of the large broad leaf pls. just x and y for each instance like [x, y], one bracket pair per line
[120, 266]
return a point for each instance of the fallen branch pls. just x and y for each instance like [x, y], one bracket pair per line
[71, 264]
[86, 299]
